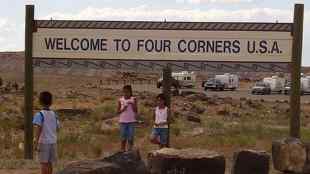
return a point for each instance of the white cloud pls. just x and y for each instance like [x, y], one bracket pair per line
[217, 1]
[3, 22]
[145, 13]
[10, 36]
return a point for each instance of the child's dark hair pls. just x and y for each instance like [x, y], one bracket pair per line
[128, 87]
[46, 98]
[162, 97]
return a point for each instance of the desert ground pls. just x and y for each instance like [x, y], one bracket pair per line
[86, 105]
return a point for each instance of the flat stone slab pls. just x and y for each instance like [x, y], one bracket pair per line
[91, 167]
[185, 161]
[118, 163]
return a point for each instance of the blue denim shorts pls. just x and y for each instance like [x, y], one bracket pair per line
[162, 133]
[127, 131]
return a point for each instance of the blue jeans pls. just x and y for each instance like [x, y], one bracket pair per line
[127, 131]
[162, 133]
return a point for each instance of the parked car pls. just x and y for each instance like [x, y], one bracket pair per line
[261, 88]
[214, 84]
[287, 88]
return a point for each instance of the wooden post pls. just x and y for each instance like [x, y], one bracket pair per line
[28, 146]
[296, 70]
[167, 80]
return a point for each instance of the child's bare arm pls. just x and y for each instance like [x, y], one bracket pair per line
[135, 106]
[119, 108]
[37, 131]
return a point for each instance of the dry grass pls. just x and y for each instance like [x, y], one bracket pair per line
[244, 125]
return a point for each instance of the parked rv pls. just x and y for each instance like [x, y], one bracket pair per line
[182, 79]
[305, 84]
[185, 78]
[276, 83]
[230, 81]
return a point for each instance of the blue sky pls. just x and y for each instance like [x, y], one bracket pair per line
[12, 14]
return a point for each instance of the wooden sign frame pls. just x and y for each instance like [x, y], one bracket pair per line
[296, 29]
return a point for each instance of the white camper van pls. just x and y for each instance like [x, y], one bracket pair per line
[230, 81]
[305, 84]
[185, 78]
[276, 83]
[182, 79]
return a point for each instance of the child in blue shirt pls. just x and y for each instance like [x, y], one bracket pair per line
[46, 125]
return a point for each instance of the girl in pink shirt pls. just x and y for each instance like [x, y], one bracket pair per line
[127, 109]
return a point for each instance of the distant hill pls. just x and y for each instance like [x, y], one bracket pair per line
[13, 62]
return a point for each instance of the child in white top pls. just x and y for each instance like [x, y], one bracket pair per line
[160, 130]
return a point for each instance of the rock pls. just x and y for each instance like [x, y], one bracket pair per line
[119, 163]
[289, 155]
[250, 162]
[227, 100]
[193, 96]
[185, 161]
[223, 111]
[236, 115]
[70, 112]
[307, 165]
[188, 93]
[109, 125]
[198, 109]
[243, 99]
[193, 117]
[130, 162]
[91, 167]
[212, 101]
[254, 104]
[197, 131]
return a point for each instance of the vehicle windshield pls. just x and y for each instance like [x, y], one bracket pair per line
[210, 80]
[261, 84]
[213, 81]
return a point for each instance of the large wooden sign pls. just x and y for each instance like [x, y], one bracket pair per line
[145, 45]
[171, 45]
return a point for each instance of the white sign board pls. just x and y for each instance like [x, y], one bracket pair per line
[174, 45]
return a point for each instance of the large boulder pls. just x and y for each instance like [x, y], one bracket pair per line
[130, 162]
[185, 161]
[119, 163]
[289, 155]
[250, 162]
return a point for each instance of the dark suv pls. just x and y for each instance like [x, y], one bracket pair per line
[214, 84]
[261, 88]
